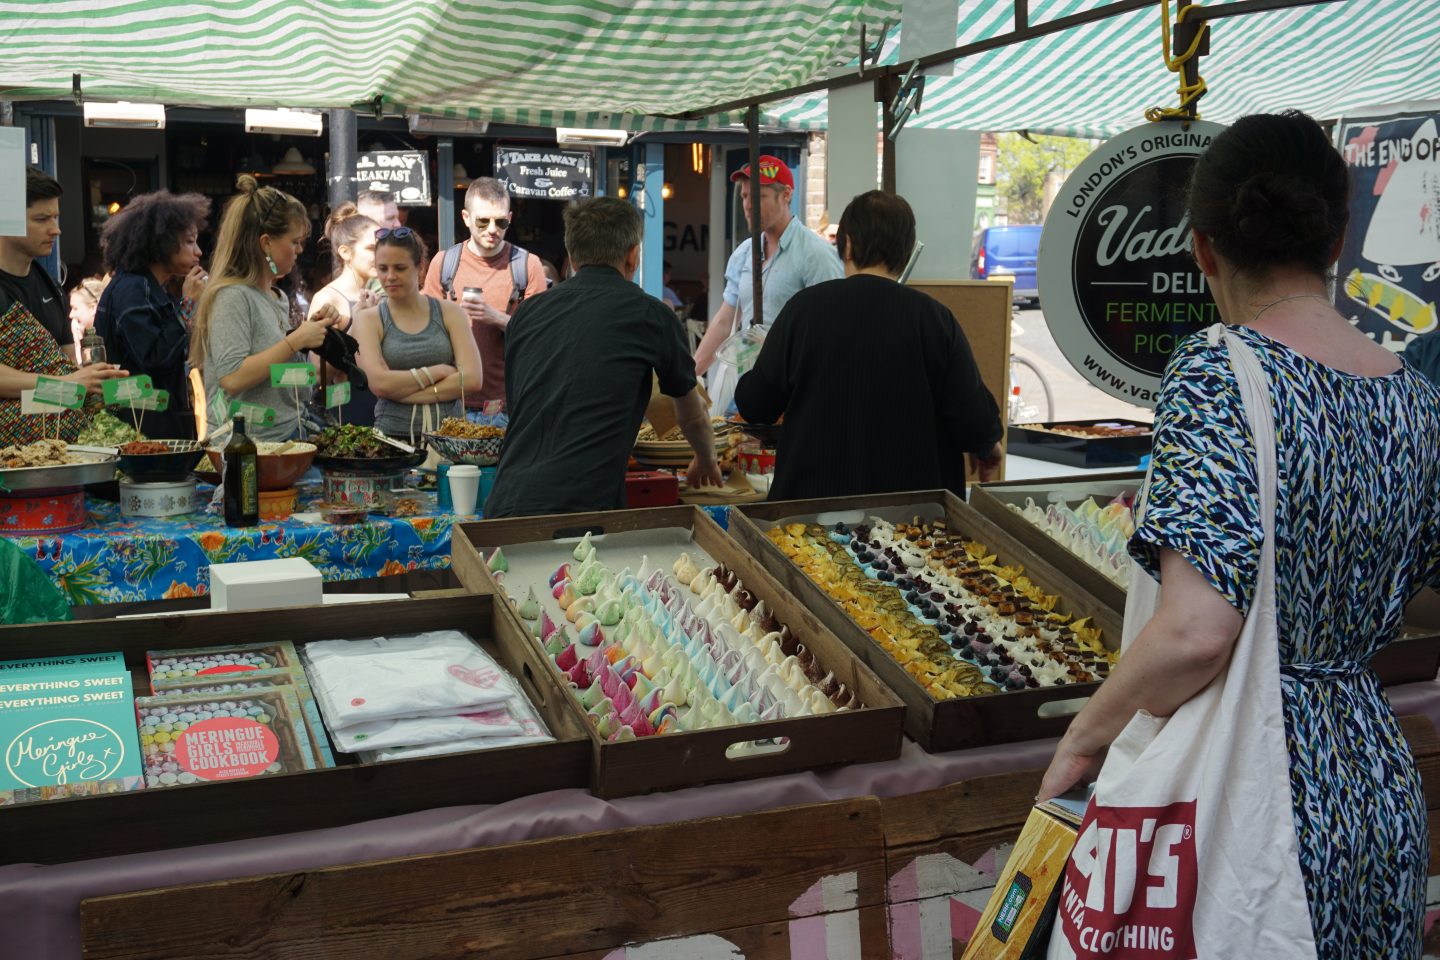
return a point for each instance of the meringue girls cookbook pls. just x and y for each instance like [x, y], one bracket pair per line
[67, 728]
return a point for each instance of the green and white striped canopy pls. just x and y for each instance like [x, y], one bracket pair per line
[608, 63]
[1095, 80]
[625, 63]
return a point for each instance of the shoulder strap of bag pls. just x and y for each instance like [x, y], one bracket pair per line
[1255, 394]
[448, 267]
[519, 274]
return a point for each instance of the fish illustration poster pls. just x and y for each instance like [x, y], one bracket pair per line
[1388, 276]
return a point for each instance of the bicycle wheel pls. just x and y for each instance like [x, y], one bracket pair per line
[1037, 404]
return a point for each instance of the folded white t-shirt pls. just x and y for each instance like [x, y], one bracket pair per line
[455, 746]
[418, 731]
[440, 673]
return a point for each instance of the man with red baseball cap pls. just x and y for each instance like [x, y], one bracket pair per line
[792, 259]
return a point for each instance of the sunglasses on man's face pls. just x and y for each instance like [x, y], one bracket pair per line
[501, 223]
[399, 233]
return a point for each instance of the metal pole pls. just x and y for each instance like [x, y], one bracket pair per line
[752, 121]
[445, 190]
[7, 113]
[344, 140]
[886, 89]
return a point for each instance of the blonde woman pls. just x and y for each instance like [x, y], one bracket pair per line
[242, 325]
[352, 242]
[84, 298]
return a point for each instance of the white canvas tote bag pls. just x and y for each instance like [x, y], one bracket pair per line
[1188, 847]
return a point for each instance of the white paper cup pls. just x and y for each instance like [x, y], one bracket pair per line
[464, 487]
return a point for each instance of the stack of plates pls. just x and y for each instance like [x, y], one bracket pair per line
[677, 454]
[672, 454]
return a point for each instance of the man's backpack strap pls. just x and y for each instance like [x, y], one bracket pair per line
[448, 268]
[519, 274]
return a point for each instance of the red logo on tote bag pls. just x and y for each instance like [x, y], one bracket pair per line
[1130, 885]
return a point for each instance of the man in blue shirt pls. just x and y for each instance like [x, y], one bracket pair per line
[793, 258]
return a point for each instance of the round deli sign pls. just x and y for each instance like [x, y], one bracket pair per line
[1116, 278]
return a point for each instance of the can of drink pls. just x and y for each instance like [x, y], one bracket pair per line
[442, 488]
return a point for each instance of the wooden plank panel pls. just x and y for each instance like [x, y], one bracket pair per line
[766, 941]
[970, 806]
[542, 898]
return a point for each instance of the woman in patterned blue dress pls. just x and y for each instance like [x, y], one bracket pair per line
[1357, 531]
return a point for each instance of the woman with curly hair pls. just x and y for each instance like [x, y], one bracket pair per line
[148, 244]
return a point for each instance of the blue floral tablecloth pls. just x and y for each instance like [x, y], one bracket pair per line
[120, 560]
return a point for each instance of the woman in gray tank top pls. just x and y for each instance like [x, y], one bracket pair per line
[418, 352]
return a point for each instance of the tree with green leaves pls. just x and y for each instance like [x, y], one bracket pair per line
[1024, 166]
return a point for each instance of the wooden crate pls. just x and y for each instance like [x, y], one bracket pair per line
[767, 886]
[694, 757]
[937, 725]
[991, 505]
[1413, 659]
[57, 831]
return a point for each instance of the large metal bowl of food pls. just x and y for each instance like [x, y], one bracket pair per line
[363, 451]
[461, 441]
[54, 465]
[159, 461]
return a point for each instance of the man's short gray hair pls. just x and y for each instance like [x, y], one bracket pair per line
[601, 230]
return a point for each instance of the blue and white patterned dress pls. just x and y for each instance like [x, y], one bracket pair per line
[1357, 535]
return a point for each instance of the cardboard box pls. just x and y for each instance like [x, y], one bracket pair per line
[1017, 921]
[265, 584]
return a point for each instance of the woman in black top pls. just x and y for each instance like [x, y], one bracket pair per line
[876, 381]
[148, 244]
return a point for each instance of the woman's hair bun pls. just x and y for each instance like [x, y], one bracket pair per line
[246, 183]
[1271, 191]
[1276, 212]
[340, 214]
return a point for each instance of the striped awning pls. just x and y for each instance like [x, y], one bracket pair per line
[602, 63]
[1093, 81]
[629, 62]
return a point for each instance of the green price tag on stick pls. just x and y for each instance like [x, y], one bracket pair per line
[127, 391]
[158, 400]
[292, 375]
[253, 413]
[337, 395]
[219, 407]
[59, 393]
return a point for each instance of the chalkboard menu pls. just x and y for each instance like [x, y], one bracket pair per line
[405, 173]
[544, 173]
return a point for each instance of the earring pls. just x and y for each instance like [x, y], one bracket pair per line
[274, 270]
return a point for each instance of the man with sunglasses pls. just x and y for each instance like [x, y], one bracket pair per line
[502, 273]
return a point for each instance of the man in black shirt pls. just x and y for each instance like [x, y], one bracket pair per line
[25, 283]
[876, 381]
[578, 364]
[20, 277]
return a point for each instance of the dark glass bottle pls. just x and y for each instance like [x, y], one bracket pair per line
[242, 479]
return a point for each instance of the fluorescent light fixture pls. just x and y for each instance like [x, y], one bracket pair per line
[577, 137]
[295, 122]
[133, 116]
[447, 126]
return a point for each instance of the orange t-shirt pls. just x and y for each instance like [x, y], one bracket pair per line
[493, 277]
